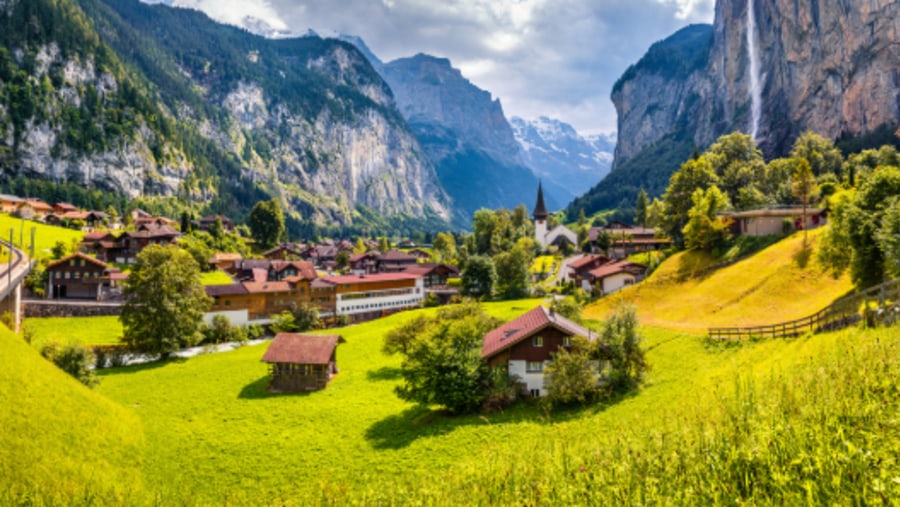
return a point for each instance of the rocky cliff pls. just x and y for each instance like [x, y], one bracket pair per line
[140, 100]
[830, 67]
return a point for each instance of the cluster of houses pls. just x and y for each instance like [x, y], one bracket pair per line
[524, 346]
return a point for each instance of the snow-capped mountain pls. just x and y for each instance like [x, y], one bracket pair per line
[557, 153]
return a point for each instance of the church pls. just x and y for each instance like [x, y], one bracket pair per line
[559, 236]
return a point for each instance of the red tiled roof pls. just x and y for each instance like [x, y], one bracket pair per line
[518, 329]
[616, 267]
[378, 277]
[305, 269]
[584, 261]
[77, 255]
[263, 287]
[94, 236]
[424, 269]
[301, 348]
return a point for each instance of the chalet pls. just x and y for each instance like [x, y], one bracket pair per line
[77, 276]
[626, 239]
[250, 302]
[33, 208]
[420, 254]
[579, 268]
[157, 222]
[138, 213]
[88, 219]
[772, 221]
[525, 345]
[208, 221]
[265, 270]
[99, 244]
[299, 362]
[394, 261]
[364, 263]
[64, 207]
[366, 297]
[345, 245]
[435, 279]
[10, 203]
[131, 243]
[613, 276]
[285, 251]
[225, 260]
[406, 243]
[324, 255]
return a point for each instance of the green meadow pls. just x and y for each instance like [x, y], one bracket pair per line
[74, 330]
[45, 236]
[812, 420]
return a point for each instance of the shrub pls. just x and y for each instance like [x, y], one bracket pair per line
[74, 360]
[572, 376]
[620, 344]
[501, 389]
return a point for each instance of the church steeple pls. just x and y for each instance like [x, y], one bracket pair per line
[540, 210]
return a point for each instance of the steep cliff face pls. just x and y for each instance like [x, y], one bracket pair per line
[464, 133]
[164, 101]
[830, 67]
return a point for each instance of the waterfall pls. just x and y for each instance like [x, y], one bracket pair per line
[755, 90]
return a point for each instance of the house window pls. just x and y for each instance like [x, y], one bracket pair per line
[59, 275]
[538, 341]
[535, 393]
[567, 341]
[66, 275]
[534, 366]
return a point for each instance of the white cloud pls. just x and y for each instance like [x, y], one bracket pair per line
[233, 12]
[555, 58]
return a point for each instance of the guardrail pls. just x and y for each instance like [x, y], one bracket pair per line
[844, 312]
[17, 262]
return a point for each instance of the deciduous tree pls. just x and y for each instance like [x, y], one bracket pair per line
[165, 301]
[266, 223]
[479, 277]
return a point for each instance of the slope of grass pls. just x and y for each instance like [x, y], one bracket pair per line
[215, 278]
[45, 236]
[61, 443]
[782, 282]
[76, 330]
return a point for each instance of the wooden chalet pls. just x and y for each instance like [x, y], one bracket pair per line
[394, 260]
[208, 221]
[77, 276]
[64, 207]
[285, 252]
[526, 344]
[579, 269]
[626, 239]
[420, 254]
[33, 208]
[10, 203]
[364, 263]
[300, 362]
[225, 260]
[771, 221]
[613, 276]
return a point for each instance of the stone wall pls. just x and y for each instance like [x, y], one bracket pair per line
[70, 309]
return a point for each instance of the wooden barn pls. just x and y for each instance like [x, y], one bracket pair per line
[301, 362]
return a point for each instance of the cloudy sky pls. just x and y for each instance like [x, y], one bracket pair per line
[557, 58]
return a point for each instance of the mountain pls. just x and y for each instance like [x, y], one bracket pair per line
[149, 100]
[465, 134]
[830, 67]
[562, 157]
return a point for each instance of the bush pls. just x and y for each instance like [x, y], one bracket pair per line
[572, 376]
[501, 389]
[620, 345]
[74, 360]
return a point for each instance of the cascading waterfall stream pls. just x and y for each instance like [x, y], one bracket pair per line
[755, 90]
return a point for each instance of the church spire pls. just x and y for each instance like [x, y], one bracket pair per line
[540, 210]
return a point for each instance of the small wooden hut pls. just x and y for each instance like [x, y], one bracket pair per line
[301, 362]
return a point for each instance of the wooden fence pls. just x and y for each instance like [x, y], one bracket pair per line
[844, 312]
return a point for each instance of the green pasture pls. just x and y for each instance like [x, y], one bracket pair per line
[45, 236]
[73, 330]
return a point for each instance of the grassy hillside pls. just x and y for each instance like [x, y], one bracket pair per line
[79, 330]
[61, 443]
[780, 283]
[45, 236]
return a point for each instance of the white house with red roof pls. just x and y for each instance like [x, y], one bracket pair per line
[527, 344]
[613, 276]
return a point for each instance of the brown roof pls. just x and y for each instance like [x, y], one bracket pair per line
[65, 206]
[319, 283]
[301, 348]
[528, 324]
[225, 256]
[152, 231]
[584, 261]
[617, 267]
[397, 255]
[615, 232]
[263, 287]
[77, 255]
[94, 236]
[37, 204]
[305, 269]
[424, 269]
[233, 289]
